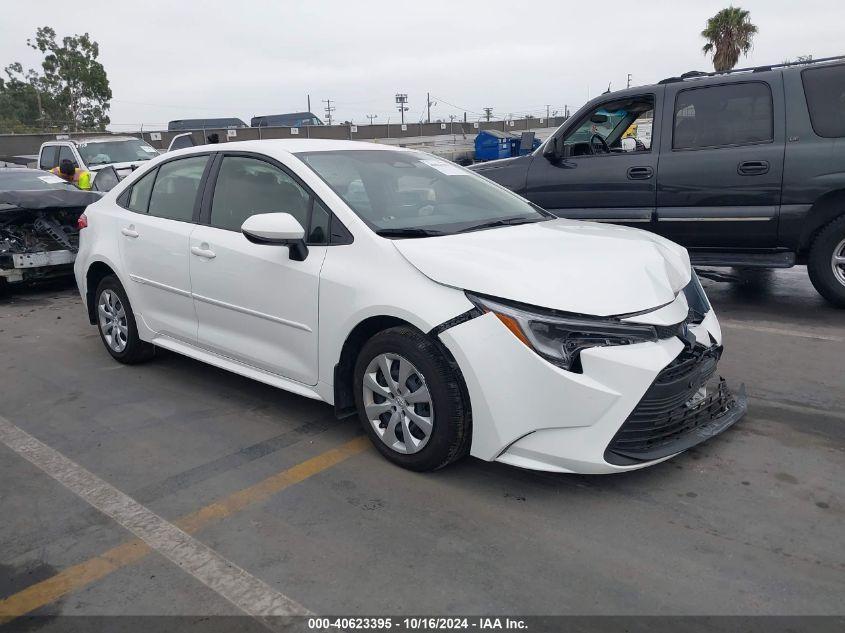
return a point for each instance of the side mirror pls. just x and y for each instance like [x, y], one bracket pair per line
[105, 179]
[281, 229]
[551, 151]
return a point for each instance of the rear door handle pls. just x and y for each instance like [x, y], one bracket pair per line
[205, 253]
[129, 231]
[640, 173]
[753, 167]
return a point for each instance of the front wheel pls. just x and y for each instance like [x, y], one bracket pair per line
[410, 401]
[116, 323]
[826, 263]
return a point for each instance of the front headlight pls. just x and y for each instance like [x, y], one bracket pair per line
[560, 339]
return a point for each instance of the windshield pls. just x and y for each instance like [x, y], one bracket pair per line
[126, 151]
[31, 180]
[396, 191]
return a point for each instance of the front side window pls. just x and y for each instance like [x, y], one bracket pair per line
[825, 91]
[717, 116]
[248, 186]
[175, 190]
[66, 154]
[123, 151]
[620, 126]
[416, 194]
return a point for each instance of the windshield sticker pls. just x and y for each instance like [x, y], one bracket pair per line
[148, 149]
[51, 180]
[445, 167]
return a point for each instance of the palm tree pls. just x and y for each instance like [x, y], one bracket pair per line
[728, 34]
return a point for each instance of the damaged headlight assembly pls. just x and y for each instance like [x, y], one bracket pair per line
[561, 339]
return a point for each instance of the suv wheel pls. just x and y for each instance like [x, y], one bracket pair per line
[116, 323]
[826, 264]
[409, 400]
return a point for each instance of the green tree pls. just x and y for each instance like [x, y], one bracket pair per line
[729, 33]
[71, 91]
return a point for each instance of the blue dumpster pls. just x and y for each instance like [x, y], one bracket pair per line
[493, 144]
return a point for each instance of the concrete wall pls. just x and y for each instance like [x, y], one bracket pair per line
[17, 144]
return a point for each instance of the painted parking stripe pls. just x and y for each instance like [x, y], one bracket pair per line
[738, 325]
[245, 591]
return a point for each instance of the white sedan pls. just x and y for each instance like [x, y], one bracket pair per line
[449, 314]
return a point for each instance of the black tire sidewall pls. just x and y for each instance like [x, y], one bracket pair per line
[819, 263]
[135, 349]
[448, 440]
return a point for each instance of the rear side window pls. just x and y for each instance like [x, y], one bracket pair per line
[246, 186]
[718, 116]
[825, 91]
[139, 197]
[49, 157]
[175, 190]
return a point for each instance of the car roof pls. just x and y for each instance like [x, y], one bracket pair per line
[291, 146]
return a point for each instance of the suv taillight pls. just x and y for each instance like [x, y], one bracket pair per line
[82, 222]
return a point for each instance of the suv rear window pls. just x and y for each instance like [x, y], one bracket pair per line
[825, 91]
[716, 116]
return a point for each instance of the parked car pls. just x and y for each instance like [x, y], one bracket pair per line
[123, 153]
[450, 314]
[291, 119]
[743, 168]
[38, 224]
[224, 123]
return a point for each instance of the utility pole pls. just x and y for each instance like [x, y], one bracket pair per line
[547, 111]
[371, 117]
[629, 80]
[309, 103]
[401, 105]
[488, 113]
[329, 109]
[428, 104]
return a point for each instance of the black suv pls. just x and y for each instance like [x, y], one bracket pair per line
[744, 168]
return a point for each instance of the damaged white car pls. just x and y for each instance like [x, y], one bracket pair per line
[449, 314]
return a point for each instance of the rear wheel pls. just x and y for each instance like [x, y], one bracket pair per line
[826, 263]
[116, 323]
[409, 400]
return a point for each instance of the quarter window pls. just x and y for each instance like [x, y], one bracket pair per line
[247, 186]
[175, 190]
[716, 116]
[49, 157]
[825, 91]
[139, 197]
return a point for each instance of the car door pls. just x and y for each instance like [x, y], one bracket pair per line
[611, 183]
[154, 245]
[721, 167]
[253, 302]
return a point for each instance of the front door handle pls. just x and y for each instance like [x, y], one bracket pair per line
[753, 167]
[640, 173]
[205, 253]
[130, 231]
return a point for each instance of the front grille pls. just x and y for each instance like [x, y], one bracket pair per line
[665, 419]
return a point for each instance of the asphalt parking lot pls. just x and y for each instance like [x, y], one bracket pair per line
[748, 523]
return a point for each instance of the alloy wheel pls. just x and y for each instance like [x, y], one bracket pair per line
[398, 403]
[113, 322]
[837, 262]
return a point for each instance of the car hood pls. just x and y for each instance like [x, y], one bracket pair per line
[572, 266]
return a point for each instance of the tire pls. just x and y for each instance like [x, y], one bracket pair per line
[829, 243]
[112, 307]
[407, 350]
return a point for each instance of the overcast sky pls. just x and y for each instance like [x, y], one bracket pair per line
[187, 59]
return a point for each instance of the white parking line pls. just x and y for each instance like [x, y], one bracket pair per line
[739, 325]
[248, 593]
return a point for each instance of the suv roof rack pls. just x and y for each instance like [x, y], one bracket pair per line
[694, 74]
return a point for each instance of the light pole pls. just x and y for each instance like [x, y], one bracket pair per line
[401, 105]
[371, 117]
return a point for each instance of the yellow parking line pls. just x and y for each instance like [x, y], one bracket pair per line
[89, 571]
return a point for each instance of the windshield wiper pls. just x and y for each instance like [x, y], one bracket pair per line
[503, 222]
[412, 231]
